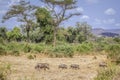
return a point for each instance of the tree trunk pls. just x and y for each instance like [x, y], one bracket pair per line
[28, 37]
[55, 34]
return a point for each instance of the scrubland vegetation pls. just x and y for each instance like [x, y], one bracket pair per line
[45, 36]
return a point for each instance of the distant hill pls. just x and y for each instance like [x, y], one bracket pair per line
[106, 32]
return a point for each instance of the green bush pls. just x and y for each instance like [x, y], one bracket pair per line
[85, 47]
[27, 48]
[114, 52]
[63, 51]
[39, 48]
[2, 41]
[3, 50]
[5, 70]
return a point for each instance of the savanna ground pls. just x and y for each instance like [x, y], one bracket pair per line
[22, 68]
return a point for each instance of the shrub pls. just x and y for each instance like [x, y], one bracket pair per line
[63, 51]
[84, 47]
[27, 48]
[15, 53]
[107, 74]
[30, 56]
[114, 52]
[3, 50]
[5, 70]
[2, 41]
[39, 48]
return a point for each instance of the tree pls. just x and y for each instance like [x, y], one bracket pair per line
[83, 31]
[72, 34]
[15, 34]
[23, 11]
[3, 32]
[60, 11]
[44, 20]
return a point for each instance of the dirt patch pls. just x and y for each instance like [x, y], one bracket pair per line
[23, 68]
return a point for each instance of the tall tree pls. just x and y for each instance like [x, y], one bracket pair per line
[60, 11]
[23, 11]
[44, 20]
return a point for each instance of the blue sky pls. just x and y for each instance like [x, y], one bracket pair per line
[98, 13]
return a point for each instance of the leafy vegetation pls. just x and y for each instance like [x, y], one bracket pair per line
[107, 74]
[5, 70]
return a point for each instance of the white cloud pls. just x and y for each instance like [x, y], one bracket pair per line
[117, 24]
[110, 11]
[85, 17]
[92, 1]
[80, 9]
[109, 21]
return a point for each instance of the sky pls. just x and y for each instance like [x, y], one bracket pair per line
[97, 13]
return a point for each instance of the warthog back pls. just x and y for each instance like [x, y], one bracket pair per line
[62, 66]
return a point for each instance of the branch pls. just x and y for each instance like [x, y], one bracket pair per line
[75, 14]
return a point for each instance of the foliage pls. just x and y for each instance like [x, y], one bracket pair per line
[59, 16]
[3, 50]
[63, 51]
[114, 52]
[117, 39]
[45, 23]
[3, 31]
[85, 47]
[107, 74]
[15, 34]
[5, 70]
[23, 11]
[30, 56]
[27, 48]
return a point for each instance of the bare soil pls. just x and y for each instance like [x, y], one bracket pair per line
[24, 69]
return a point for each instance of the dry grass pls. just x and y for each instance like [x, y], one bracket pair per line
[23, 68]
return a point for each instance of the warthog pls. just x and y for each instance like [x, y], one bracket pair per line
[103, 64]
[74, 66]
[42, 66]
[62, 66]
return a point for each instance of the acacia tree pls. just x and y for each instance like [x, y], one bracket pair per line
[60, 11]
[23, 11]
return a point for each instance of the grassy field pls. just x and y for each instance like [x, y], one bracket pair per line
[22, 68]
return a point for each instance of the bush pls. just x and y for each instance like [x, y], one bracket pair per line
[114, 52]
[107, 74]
[27, 48]
[5, 70]
[30, 56]
[2, 41]
[85, 47]
[63, 51]
[39, 48]
[3, 50]
[15, 53]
